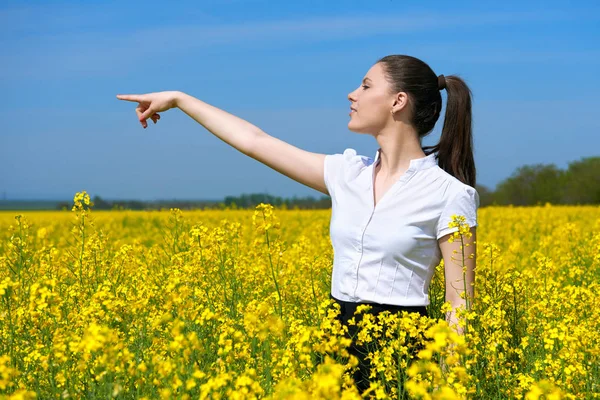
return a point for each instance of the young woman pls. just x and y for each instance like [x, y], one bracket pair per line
[390, 213]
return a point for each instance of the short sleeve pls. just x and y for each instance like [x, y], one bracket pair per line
[465, 202]
[333, 168]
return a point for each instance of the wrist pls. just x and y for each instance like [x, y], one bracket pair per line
[177, 98]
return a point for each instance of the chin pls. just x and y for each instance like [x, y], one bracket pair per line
[357, 129]
[352, 127]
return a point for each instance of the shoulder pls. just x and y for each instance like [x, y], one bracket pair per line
[349, 160]
[455, 189]
[343, 167]
[350, 155]
[458, 199]
[354, 160]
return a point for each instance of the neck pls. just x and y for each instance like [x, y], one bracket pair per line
[397, 150]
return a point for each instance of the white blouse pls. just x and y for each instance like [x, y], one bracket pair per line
[387, 253]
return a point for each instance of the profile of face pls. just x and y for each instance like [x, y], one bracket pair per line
[372, 102]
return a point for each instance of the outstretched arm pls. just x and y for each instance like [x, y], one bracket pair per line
[301, 165]
[231, 129]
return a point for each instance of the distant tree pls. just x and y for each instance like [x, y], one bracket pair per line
[532, 184]
[100, 204]
[486, 196]
[582, 181]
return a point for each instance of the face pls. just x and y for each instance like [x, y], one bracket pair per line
[372, 101]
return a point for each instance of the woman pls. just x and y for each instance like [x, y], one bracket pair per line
[390, 213]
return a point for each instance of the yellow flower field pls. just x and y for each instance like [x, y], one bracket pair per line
[235, 304]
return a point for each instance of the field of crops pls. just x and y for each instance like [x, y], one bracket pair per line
[235, 304]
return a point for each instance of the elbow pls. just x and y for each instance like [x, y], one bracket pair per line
[252, 143]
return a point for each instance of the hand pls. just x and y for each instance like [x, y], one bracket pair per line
[151, 103]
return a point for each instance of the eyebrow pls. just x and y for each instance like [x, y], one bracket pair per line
[366, 79]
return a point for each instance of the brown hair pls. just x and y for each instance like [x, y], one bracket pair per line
[455, 148]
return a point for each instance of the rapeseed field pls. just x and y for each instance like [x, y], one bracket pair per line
[235, 304]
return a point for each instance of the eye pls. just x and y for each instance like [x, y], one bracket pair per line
[364, 86]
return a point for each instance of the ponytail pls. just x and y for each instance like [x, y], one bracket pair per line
[455, 148]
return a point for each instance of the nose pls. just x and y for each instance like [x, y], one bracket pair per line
[351, 96]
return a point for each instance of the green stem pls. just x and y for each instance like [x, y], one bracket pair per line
[312, 284]
[467, 303]
[82, 226]
[273, 272]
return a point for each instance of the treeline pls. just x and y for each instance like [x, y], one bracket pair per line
[545, 183]
[252, 200]
[232, 202]
[528, 185]
[102, 204]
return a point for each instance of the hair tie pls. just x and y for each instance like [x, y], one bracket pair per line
[441, 82]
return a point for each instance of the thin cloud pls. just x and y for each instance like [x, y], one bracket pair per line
[112, 52]
[515, 56]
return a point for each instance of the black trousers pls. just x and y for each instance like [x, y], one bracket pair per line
[347, 309]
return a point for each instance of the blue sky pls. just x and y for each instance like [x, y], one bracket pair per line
[287, 67]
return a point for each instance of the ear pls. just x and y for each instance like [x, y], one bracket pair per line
[400, 101]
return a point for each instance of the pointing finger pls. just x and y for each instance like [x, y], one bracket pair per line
[130, 97]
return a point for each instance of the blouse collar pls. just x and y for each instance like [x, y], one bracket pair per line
[416, 163]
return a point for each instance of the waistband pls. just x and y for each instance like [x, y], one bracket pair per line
[347, 308]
